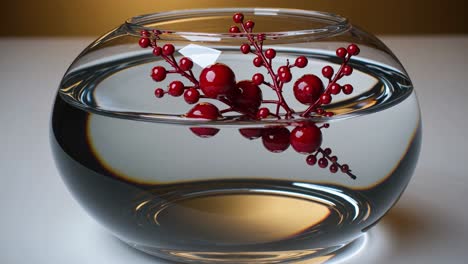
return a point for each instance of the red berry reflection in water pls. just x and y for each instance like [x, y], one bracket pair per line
[204, 111]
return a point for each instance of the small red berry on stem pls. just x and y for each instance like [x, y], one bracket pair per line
[144, 33]
[325, 98]
[238, 18]
[327, 72]
[311, 160]
[348, 89]
[323, 163]
[249, 24]
[168, 49]
[217, 80]
[333, 168]
[353, 50]
[176, 88]
[270, 53]
[245, 48]
[347, 70]
[158, 73]
[258, 62]
[185, 64]
[301, 61]
[285, 76]
[341, 52]
[263, 113]
[191, 95]
[250, 97]
[234, 29]
[157, 51]
[306, 139]
[258, 78]
[159, 92]
[251, 133]
[144, 42]
[335, 88]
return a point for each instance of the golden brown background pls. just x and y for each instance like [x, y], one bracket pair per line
[94, 17]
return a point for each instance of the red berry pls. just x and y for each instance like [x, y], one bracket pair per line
[306, 139]
[329, 114]
[245, 48]
[345, 168]
[347, 70]
[157, 51]
[258, 61]
[348, 89]
[311, 160]
[301, 61]
[325, 98]
[335, 88]
[334, 159]
[327, 151]
[327, 72]
[285, 76]
[320, 111]
[276, 139]
[144, 33]
[191, 95]
[185, 64]
[308, 88]
[249, 24]
[250, 97]
[204, 111]
[251, 133]
[263, 113]
[159, 93]
[158, 73]
[234, 29]
[144, 42]
[238, 18]
[204, 132]
[176, 88]
[217, 80]
[323, 162]
[270, 53]
[353, 50]
[326, 125]
[258, 78]
[283, 69]
[341, 52]
[333, 168]
[168, 49]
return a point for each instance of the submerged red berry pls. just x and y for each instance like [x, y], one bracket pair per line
[276, 139]
[249, 97]
[251, 133]
[306, 139]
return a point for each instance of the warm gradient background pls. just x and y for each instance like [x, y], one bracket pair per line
[94, 17]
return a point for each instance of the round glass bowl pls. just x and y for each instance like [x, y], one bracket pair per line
[206, 136]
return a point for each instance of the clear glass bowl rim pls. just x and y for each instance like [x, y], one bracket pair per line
[334, 24]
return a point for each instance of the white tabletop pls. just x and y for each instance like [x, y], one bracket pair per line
[41, 223]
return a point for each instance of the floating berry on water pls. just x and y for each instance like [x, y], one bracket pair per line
[306, 139]
[168, 49]
[217, 80]
[249, 24]
[258, 62]
[249, 98]
[270, 53]
[258, 78]
[327, 72]
[234, 29]
[323, 163]
[263, 113]
[204, 111]
[204, 132]
[301, 61]
[348, 89]
[191, 95]
[308, 89]
[341, 52]
[238, 18]
[245, 48]
[158, 73]
[276, 139]
[333, 168]
[157, 51]
[176, 88]
[353, 49]
[325, 98]
[311, 160]
[335, 88]
[159, 92]
[185, 64]
[144, 42]
[251, 133]
[347, 70]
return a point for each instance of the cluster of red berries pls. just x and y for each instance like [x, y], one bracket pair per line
[218, 82]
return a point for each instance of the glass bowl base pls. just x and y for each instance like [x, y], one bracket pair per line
[313, 256]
